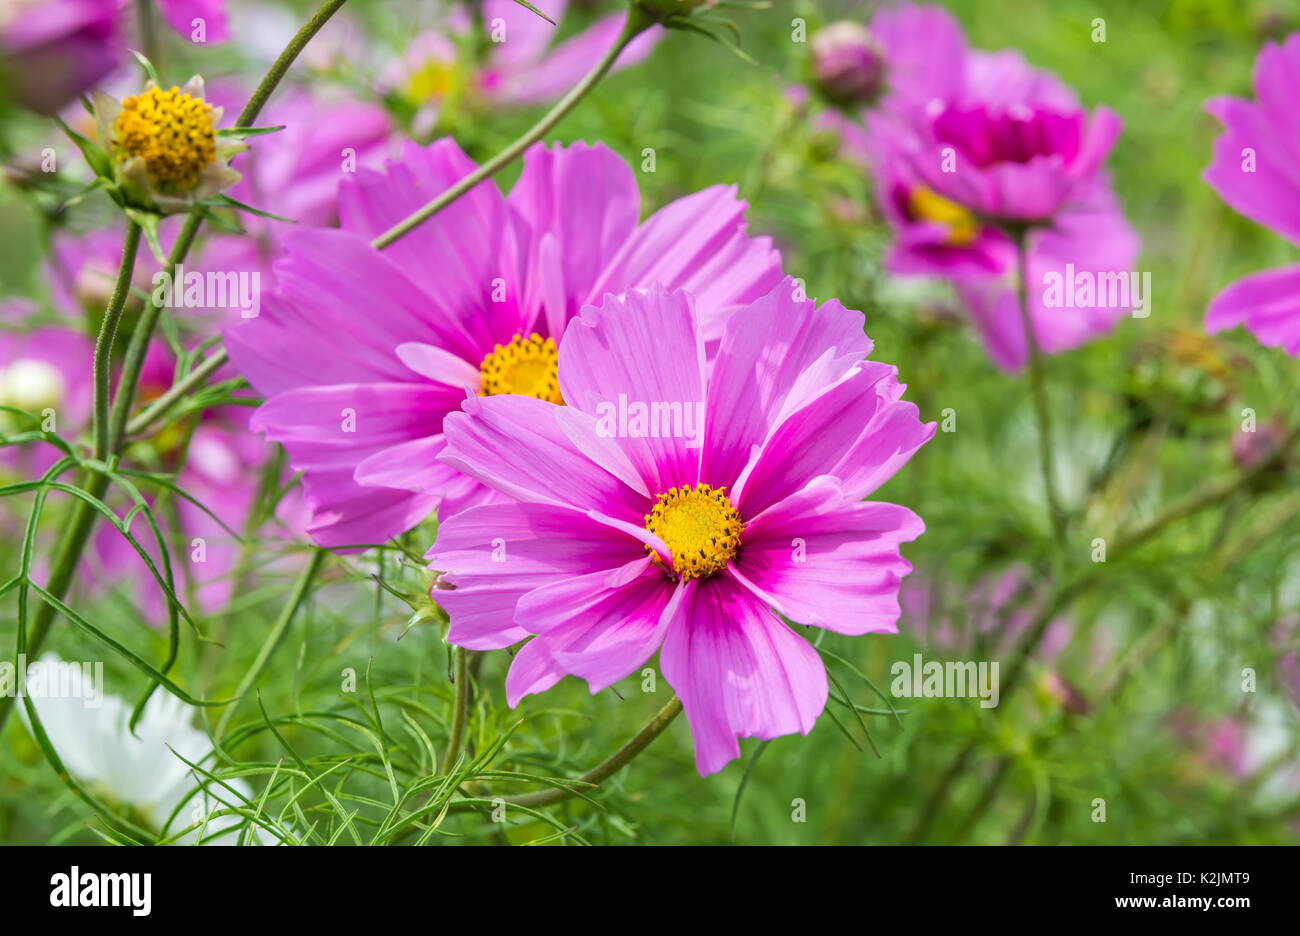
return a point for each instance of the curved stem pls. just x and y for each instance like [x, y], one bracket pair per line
[281, 65]
[460, 658]
[108, 334]
[638, 21]
[606, 769]
[1041, 409]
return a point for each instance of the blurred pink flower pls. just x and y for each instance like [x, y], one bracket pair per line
[995, 611]
[1253, 170]
[622, 545]
[362, 352]
[986, 145]
[53, 50]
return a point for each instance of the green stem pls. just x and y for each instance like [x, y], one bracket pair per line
[145, 418]
[638, 21]
[149, 33]
[143, 335]
[108, 335]
[282, 64]
[1041, 409]
[460, 657]
[273, 639]
[606, 769]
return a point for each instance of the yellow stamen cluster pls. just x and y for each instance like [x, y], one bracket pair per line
[527, 367]
[700, 528]
[171, 131]
[924, 204]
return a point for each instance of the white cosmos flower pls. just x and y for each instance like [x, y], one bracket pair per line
[140, 771]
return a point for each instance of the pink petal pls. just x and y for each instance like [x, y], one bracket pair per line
[770, 360]
[601, 626]
[828, 561]
[739, 671]
[1267, 304]
[697, 243]
[644, 351]
[515, 445]
[586, 198]
[497, 553]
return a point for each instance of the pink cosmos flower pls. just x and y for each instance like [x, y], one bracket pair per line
[986, 145]
[624, 540]
[53, 50]
[362, 352]
[1253, 170]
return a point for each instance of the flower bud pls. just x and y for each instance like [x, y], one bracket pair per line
[848, 63]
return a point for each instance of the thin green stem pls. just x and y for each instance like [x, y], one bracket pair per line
[274, 637]
[607, 768]
[1041, 408]
[638, 21]
[459, 708]
[108, 335]
[149, 32]
[143, 335]
[146, 417]
[282, 64]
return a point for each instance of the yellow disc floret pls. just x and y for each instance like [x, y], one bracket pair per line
[171, 131]
[926, 205]
[527, 367]
[700, 528]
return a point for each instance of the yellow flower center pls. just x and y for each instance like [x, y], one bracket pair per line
[433, 81]
[527, 367]
[171, 131]
[924, 204]
[700, 528]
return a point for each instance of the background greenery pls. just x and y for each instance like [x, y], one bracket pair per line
[1144, 417]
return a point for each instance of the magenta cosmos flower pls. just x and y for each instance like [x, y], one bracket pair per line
[1254, 171]
[1005, 146]
[630, 534]
[53, 50]
[362, 352]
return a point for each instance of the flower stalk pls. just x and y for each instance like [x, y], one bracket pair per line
[1042, 410]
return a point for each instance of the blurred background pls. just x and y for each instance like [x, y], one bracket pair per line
[1135, 694]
